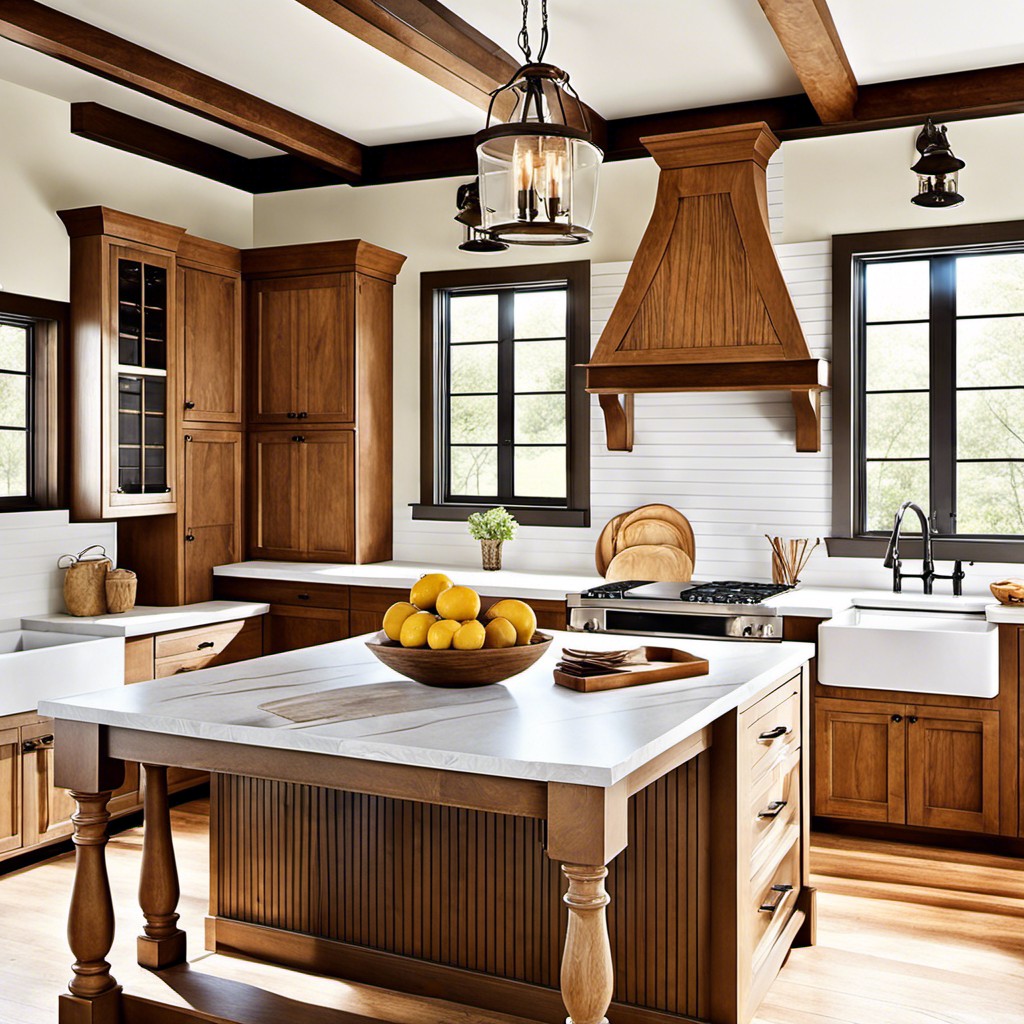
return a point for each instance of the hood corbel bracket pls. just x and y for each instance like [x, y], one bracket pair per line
[618, 421]
[807, 409]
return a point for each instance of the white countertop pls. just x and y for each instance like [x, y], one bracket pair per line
[500, 583]
[143, 620]
[1005, 613]
[525, 728]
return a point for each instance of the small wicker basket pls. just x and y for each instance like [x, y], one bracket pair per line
[120, 587]
[85, 578]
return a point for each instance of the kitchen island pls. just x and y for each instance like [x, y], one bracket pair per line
[374, 829]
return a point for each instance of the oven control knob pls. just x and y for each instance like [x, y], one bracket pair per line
[767, 629]
[748, 630]
[591, 625]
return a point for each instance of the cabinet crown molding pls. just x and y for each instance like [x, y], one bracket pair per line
[101, 220]
[204, 254]
[352, 254]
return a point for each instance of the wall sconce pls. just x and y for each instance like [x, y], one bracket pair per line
[475, 238]
[936, 169]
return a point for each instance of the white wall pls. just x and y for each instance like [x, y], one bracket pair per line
[44, 168]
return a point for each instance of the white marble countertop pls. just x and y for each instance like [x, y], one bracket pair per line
[1005, 613]
[500, 583]
[525, 728]
[143, 620]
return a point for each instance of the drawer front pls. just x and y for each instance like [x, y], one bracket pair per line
[773, 730]
[316, 595]
[774, 811]
[375, 600]
[773, 897]
[206, 639]
[246, 644]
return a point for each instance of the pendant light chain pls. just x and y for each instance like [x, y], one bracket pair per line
[524, 32]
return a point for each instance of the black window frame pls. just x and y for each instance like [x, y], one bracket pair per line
[436, 289]
[851, 254]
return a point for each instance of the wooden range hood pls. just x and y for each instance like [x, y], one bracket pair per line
[704, 307]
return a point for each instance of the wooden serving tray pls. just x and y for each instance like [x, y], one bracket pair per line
[665, 663]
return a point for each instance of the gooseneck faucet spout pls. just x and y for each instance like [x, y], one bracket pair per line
[927, 575]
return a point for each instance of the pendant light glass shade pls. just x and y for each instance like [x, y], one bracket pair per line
[937, 169]
[538, 172]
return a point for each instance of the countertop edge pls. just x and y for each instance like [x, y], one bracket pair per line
[168, 620]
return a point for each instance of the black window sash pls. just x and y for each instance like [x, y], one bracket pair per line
[28, 433]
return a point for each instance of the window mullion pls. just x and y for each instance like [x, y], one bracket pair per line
[943, 392]
[506, 393]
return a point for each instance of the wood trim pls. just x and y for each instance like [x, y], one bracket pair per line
[808, 35]
[671, 759]
[751, 375]
[93, 221]
[85, 46]
[518, 797]
[203, 254]
[352, 254]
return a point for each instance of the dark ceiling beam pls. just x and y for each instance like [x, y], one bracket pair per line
[92, 49]
[808, 35]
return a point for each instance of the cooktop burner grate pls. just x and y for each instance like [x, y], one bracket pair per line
[733, 592]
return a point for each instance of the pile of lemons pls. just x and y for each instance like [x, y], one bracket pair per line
[440, 615]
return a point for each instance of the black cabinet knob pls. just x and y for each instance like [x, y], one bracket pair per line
[912, 719]
[303, 415]
[188, 437]
[190, 537]
[298, 437]
[897, 718]
[292, 415]
[190, 405]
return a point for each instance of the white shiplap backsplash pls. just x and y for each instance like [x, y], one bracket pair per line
[726, 460]
[30, 544]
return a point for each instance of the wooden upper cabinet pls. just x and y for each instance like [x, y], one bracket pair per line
[210, 318]
[953, 768]
[123, 372]
[859, 760]
[302, 339]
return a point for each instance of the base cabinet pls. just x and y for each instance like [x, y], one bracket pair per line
[908, 764]
[10, 790]
[289, 629]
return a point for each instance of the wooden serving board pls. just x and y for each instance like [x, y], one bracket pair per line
[664, 663]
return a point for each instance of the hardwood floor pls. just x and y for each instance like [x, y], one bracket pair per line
[889, 951]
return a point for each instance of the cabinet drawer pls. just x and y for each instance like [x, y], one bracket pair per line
[773, 728]
[773, 897]
[315, 595]
[206, 639]
[375, 599]
[774, 811]
[188, 651]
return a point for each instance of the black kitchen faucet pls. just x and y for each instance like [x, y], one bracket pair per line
[927, 575]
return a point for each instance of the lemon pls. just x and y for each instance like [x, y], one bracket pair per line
[415, 629]
[395, 616]
[440, 634]
[500, 633]
[520, 614]
[470, 636]
[458, 603]
[426, 589]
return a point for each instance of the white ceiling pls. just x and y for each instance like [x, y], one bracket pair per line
[626, 57]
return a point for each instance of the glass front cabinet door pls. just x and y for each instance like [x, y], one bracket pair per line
[141, 353]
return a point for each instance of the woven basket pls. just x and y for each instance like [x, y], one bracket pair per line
[120, 588]
[490, 554]
[85, 578]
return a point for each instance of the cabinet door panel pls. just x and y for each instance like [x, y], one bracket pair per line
[329, 498]
[860, 760]
[47, 810]
[325, 337]
[211, 327]
[953, 768]
[10, 790]
[276, 495]
[276, 371]
[288, 629]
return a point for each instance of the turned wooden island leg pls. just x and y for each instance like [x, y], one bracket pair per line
[587, 977]
[163, 943]
[94, 995]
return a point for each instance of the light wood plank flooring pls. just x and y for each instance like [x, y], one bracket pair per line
[902, 939]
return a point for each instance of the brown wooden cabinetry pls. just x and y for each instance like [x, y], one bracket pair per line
[10, 789]
[289, 628]
[319, 328]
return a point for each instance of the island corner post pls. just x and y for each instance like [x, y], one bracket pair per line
[586, 829]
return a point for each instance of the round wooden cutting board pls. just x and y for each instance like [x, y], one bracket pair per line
[663, 520]
[660, 562]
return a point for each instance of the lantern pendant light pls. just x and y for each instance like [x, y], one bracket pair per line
[937, 169]
[538, 172]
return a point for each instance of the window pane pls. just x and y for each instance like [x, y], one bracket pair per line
[990, 497]
[474, 471]
[540, 314]
[13, 348]
[989, 424]
[990, 284]
[897, 426]
[13, 463]
[897, 356]
[474, 318]
[540, 472]
[13, 400]
[540, 419]
[540, 365]
[474, 368]
[474, 420]
[990, 352]
[889, 484]
[897, 291]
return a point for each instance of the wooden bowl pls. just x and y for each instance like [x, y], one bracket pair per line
[1008, 591]
[456, 669]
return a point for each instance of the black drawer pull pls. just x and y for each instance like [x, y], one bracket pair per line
[773, 734]
[298, 437]
[773, 810]
[783, 891]
[302, 597]
[205, 644]
[292, 415]
[190, 405]
[39, 743]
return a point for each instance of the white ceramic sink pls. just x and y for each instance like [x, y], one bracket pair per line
[906, 649]
[37, 665]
